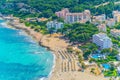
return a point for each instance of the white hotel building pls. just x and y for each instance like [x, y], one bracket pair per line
[69, 17]
[116, 16]
[78, 17]
[102, 40]
[54, 24]
[102, 27]
[115, 32]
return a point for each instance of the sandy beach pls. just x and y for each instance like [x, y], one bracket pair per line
[66, 65]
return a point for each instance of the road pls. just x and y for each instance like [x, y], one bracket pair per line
[106, 3]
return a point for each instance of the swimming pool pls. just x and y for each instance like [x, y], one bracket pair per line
[106, 66]
[96, 56]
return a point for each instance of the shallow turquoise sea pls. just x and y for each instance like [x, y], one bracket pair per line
[21, 58]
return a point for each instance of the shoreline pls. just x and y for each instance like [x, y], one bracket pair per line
[54, 63]
[26, 31]
[51, 44]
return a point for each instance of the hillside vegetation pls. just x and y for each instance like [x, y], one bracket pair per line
[47, 8]
[77, 33]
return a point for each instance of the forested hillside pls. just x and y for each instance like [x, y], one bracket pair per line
[46, 8]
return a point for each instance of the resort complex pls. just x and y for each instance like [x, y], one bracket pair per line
[60, 40]
[74, 17]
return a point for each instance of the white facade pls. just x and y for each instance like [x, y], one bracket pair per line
[102, 27]
[74, 17]
[62, 13]
[118, 69]
[118, 56]
[102, 40]
[54, 24]
[110, 22]
[116, 16]
[78, 17]
[115, 32]
[99, 19]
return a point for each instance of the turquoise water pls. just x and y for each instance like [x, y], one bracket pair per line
[21, 58]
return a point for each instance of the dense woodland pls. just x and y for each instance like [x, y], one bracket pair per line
[46, 8]
[79, 32]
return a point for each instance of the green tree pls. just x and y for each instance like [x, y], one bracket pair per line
[106, 51]
[86, 54]
[80, 58]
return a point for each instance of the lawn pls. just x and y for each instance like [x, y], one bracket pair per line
[110, 73]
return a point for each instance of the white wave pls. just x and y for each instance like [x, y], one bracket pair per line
[3, 24]
[28, 38]
[22, 33]
[1, 18]
[54, 63]
[37, 52]
[44, 78]
[50, 74]
[41, 78]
